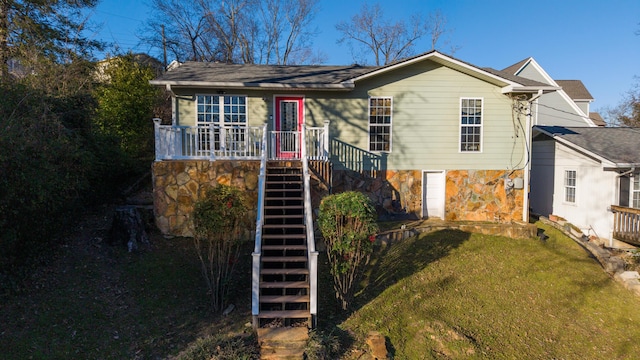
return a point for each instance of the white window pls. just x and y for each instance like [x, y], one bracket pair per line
[570, 186]
[635, 192]
[470, 125]
[212, 108]
[221, 110]
[380, 110]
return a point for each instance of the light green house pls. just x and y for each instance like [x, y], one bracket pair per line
[426, 137]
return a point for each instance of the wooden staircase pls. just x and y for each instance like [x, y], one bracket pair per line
[284, 271]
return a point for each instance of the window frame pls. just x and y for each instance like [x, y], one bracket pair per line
[634, 189]
[462, 126]
[222, 110]
[371, 125]
[566, 194]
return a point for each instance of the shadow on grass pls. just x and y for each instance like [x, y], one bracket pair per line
[388, 265]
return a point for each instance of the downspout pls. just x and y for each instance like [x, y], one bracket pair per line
[527, 171]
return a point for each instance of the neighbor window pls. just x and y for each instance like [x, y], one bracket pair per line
[470, 125]
[570, 186]
[635, 197]
[380, 123]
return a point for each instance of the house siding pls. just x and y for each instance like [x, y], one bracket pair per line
[554, 110]
[595, 192]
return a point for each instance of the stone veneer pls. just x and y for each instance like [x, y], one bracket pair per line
[178, 184]
[479, 195]
[473, 195]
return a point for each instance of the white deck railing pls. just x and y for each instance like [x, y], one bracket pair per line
[312, 254]
[232, 142]
[257, 250]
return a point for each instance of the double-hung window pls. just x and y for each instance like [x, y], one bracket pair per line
[470, 124]
[570, 186]
[380, 110]
[229, 111]
[635, 192]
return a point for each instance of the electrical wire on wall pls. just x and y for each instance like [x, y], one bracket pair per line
[520, 107]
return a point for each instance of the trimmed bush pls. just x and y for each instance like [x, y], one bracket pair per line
[348, 225]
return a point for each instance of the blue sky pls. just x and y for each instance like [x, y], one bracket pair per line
[590, 40]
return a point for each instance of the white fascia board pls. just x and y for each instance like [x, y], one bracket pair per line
[345, 86]
[540, 70]
[528, 89]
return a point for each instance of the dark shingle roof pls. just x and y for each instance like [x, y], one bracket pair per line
[299, 76]
[262, 74]
[575, 89]
[620, 145]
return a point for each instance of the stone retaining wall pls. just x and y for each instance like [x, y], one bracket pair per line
[177, 186]
[471, 195]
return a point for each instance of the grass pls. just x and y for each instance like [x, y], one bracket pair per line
[447, 294]
[457, 295]
[95, 301]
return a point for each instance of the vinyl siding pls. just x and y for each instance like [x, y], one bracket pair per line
[425, 121]
[590, 208]
[553, 110]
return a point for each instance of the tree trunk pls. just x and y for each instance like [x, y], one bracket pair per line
[128, 229]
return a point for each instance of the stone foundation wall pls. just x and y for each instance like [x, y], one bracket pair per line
[479, 195]
[472, 195]
[177, 186]
[396, 194]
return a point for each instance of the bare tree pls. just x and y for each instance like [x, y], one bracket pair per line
[370, 34]
[287, 28]
[235, 31]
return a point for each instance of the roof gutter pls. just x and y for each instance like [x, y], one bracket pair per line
[344, 86]
[529, 89]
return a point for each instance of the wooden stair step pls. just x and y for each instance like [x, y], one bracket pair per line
[297, 271]
[284, 314]
[284, 258]
[284, 236]
[280, 226]
[284, 247]
[288, 216]
[300, 198]
[284, 299]
[283, 207]
[284, 285]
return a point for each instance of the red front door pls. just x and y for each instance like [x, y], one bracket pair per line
[288, 125]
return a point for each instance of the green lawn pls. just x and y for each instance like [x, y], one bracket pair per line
[451, 294]
[447, 294]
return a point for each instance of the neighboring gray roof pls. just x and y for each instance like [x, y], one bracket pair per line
[575, 89]
[597, 119]
[515, 67]
[519, 79]
[619, 145]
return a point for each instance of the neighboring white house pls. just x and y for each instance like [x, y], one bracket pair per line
[566, 107]
[579, 173]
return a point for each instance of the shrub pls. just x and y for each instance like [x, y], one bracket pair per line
[221, 348]
[219, 220]
[348, 225]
